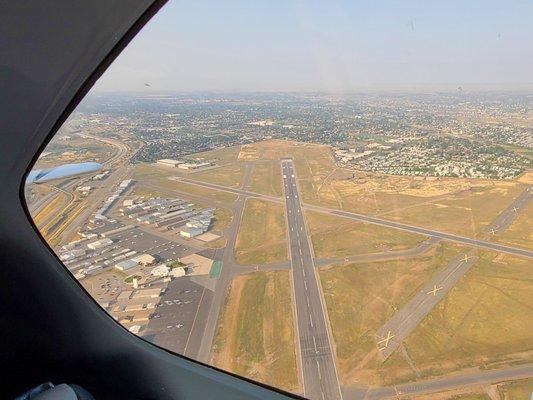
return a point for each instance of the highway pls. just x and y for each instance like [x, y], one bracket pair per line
[319, 374]
[484, 244]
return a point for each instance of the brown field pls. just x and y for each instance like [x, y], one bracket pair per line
[223, 218]
[310, 159]
[144, 171]
[466, 213]
[255, 335]
[226, 155]
[526, 177]
[230, 175]
[50, 210]
[464, 394]
[461, 206]
[75, 150]
[261, 237]
[484, 321]
[334, 236]
[266, 179]
[167, 187]
[519, 390]
[520, 232]
[360, 298]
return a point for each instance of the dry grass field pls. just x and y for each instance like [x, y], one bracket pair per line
[466, 213]
[485, 320]
[266, 178]
[261, 237]
[520, 232]
[360, 298]
[519, 390]
[230, 175]
[334, 237]
[255, 334]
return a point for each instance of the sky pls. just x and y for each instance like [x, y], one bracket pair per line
[329, 46]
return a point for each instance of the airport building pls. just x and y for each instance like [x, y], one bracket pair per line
[169, 163]
[99, 244]
[144, 259]
[190, 232]
[126, 265]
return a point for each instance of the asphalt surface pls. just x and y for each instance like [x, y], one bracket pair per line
[441, 384]
[407, 319]
[507, 216]
[379, 221]
[320, 380]
[176, 316]
[227, 273]
[383, 256]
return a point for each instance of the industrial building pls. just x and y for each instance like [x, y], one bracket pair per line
[126, 265]
[144, 259]
[169, 163]
[190, 232]
[99, 244]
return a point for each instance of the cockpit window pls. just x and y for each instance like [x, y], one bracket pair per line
[334, 199]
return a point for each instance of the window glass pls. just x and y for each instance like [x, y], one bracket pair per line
[332, 198]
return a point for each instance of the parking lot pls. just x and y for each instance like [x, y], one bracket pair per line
[181, 308]
[105, 286]
[145, 242]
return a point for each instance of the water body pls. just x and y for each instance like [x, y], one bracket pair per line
[62, 171]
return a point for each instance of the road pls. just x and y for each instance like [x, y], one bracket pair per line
[416, 251]
[484, 244]
[441, 384]
[320, 380]
[226, 275]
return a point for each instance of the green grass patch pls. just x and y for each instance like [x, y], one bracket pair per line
[215, 270]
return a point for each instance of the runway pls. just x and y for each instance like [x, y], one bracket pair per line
[396, 329]
[507, 216]
[319, 374]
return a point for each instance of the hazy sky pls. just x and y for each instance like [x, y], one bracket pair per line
[329, 46]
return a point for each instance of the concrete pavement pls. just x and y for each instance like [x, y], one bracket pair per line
[319, 373]
[226, 275]
[441, 384]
